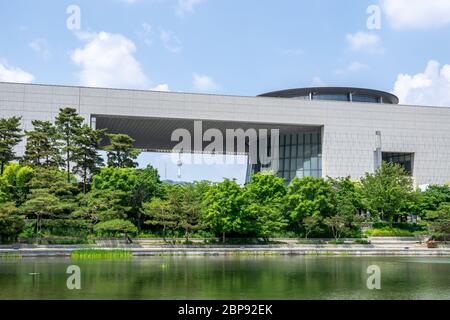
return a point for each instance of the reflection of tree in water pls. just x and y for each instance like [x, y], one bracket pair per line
[216, 277]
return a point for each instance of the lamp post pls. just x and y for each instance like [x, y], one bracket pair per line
[378, 153]
[179, 165]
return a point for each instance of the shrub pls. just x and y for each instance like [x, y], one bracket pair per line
[389, 232]
[114, 227]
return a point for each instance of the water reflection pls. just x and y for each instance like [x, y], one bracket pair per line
[297, 277]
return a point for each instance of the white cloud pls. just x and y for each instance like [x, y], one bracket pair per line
[161, 87]
[204, 83]
[170, 41]
[40, 46]
[363, 41]
[186, 6]
[107, 60]
[146, 33]
[417, 14]
[432, 87]
[14, 74]
[353, 67]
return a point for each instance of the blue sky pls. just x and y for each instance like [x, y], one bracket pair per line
[232, 47]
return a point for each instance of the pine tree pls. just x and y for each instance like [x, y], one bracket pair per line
[68, 123]
[42, 148]
[160, 213]
[86, 157]
[121, 153]
[41, 204]
[10, 136]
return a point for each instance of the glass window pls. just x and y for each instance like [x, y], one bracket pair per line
[294, 151]
[294, 139]
[307, 164]
[315, 138]
[301, 138]
[334, 97]
[365, 98]
[293, 164]
[314, 164]
[403, 159]
[288, 139]
[307, 138]
[300, 155]
[300, 152]
[300, 164]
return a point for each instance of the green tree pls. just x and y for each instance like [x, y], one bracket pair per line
[347, 197]
[308, 197]
[42, 147]
[120, 152]
[101, 205]
[86, 157]
[146, 186]
[222, 208]
[54, 181]
[42, 204]
[434, 196]
[387, 191]
[159, 213]
[338, 225]
[120, 179]
[11, 222]
[68, 123]
[191, 208]
[115, 226]
[15, 180]
[264, 199]
[360, 222]
[312, 224]
[439, 221]
[10, 136]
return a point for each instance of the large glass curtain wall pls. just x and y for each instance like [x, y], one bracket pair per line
[300, 155]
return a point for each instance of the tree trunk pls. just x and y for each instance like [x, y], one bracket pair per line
[223, 237]
[68, 161]
[2, 166]
[84, 176]
[164, 234]
[139, 221]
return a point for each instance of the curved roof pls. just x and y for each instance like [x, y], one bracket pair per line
[303, 92]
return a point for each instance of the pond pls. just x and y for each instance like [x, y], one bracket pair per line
[219, 277]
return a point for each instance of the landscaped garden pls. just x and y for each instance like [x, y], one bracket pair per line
[62, 192]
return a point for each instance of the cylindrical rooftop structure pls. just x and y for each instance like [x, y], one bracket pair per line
[336, 94]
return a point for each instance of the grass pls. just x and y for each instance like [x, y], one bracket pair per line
[320, 253]
[10, 255]
[101, 254]
[389, 232]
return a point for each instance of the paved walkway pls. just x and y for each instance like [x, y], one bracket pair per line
[378, 247]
